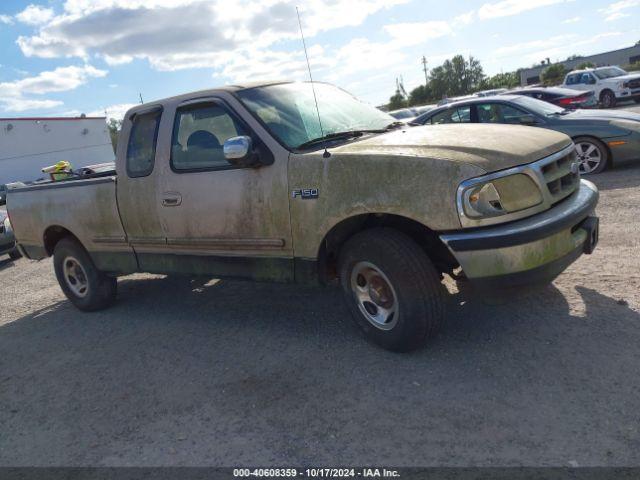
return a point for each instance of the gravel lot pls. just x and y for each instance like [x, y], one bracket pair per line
[198, 372]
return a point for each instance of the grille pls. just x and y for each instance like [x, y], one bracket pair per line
[559, 178]
[634, 83]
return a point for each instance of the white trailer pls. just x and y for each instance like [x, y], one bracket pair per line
[27, 145]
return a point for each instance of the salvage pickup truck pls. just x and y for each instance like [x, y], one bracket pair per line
[257, 182]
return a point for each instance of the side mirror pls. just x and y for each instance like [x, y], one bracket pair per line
[528, 120]
[239, 151]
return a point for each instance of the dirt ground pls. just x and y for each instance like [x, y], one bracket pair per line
[197, 372]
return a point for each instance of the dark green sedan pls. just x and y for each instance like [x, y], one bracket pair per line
[602, 137]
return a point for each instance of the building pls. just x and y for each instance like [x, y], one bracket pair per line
[29, 144]
[624, 56]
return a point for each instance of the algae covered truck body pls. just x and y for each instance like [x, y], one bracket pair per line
[255, 182]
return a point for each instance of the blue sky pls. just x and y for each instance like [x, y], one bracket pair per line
[64, 57]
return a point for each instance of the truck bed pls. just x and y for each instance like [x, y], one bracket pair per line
[85, 207]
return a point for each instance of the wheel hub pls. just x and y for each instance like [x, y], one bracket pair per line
[375, 295]
[589, 156]
[75, 277]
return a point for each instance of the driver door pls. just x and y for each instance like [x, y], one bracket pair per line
[220, 219]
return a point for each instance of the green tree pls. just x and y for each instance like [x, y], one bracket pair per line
[397, 101]
[584, 65]
[457, 76]
[633, 67]
[114, 127]
[420, 95]
[554, 74]
[501, 80]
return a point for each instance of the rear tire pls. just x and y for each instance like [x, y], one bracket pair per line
[14, 255]
[592, 155]
[85, 286]
[607, 99]
[637, 99]
[392, 289]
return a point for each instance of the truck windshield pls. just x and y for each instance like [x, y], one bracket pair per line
[289, 111]
[609, 72]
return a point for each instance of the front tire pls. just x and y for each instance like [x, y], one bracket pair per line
[607, 99]
[392, 289]
[592, 155]
[85, 286]
[14, 254]
[637, 99]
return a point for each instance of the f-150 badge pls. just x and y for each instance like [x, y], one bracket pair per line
[305, 193]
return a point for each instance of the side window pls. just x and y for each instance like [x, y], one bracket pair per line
[199, 133]
[572, 79]
[453, 115]
[499, 113]
[141, 149]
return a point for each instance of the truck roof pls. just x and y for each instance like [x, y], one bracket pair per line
[208, 92]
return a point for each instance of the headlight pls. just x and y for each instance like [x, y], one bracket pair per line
[499, 196]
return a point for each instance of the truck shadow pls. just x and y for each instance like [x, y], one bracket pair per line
[246, 365]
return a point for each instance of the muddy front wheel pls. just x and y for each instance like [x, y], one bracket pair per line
[392, 289]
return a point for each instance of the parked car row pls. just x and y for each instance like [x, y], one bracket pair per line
[601, 137]
[408, 114]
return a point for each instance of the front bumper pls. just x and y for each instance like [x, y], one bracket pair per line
[533, 250]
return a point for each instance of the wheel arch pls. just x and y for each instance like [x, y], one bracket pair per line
[53, 234]
[337, 236]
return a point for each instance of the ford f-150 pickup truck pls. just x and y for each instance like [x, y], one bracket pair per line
[255, 182]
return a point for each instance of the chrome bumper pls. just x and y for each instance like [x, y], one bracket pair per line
[535, 249]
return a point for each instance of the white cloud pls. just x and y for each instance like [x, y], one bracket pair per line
[507, 8]
[6, 19]
[15, 95]
[616, 16]
[465, 18]
[177, 34]
[615, 11]
[116, 111]
[572, 20]
[35, 15]
[414, 33]
[24, 104]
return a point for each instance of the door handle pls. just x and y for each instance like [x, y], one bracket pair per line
[171, 199]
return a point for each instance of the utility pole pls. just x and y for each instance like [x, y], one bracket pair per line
[141, 101]
[424, 67]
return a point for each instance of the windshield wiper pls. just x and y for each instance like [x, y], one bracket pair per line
[339, 136]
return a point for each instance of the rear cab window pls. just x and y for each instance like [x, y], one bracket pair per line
[141, 149]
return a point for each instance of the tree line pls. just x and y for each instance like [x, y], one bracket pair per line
[463, 76]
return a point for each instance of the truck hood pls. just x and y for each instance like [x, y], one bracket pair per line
[622, 78]
[490, 147]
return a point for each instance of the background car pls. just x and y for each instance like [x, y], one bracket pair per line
[3, 194]
[404, 114]
[600, 136]
[610, 84]
[7, 239]
[490, 93]
[563, 97]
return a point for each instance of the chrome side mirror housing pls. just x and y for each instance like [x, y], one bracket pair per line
[238, 151]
